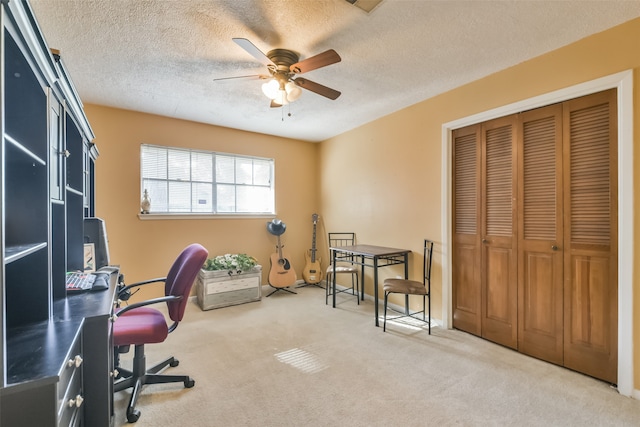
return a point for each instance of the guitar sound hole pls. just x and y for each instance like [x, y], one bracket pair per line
[284, 263]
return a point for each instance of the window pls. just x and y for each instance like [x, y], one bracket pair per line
[203, 182]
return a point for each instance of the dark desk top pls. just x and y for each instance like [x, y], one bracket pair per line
[370, 250]
[37, 352]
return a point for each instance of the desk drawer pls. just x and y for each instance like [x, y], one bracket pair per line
[69, 393]
[73, 364]
[70, 408]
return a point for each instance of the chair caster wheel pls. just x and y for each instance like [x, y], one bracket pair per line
[174, 363]
[188, 383]
[133, 416]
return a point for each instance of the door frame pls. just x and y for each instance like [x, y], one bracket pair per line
[623, 82]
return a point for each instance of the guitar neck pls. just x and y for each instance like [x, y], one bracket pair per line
[313, 244]
[279, 249]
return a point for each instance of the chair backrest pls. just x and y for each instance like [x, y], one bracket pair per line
[428, 256]
[181, 276]
[342, 239]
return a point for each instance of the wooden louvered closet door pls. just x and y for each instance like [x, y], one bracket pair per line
[535, 233]
[591, 235]
[484, 239]
[498, 234]
[466, 230]
[540, 244]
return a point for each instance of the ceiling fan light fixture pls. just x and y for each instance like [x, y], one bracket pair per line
[284, 87]
[293, 91]
[281, 98]
[271, 89]
[281, 93]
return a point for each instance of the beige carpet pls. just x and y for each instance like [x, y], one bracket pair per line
[291, 360]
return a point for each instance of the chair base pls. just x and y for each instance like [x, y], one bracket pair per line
[407, 312]
[139, 376]
[412, 315]
[355, 289]
[279, 289]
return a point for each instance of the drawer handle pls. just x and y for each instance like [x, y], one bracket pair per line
[77, 402]
[114, 373]
[77, 361]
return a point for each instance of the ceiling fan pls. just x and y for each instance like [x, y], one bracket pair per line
[283, 65]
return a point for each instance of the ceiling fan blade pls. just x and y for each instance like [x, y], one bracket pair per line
[274, 104]
[251, 76]
[317, 88]
[254, 51]
[318, 61]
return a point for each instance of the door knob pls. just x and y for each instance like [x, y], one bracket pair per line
[554, 248]
[485, 241]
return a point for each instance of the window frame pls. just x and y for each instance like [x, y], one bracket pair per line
[190, 211]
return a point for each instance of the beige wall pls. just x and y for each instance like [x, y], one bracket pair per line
[394, 196]
[146, 248]
[382, 180]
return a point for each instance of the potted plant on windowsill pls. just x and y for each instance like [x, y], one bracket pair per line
[228, 280]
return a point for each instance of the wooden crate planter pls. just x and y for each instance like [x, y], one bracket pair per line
[216, 289]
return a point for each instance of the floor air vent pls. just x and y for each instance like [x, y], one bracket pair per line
[366, 5]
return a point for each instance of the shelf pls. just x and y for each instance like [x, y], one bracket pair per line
[25, 100]
[14, 253]
[43, 202]
[22, 148]
[73, 190]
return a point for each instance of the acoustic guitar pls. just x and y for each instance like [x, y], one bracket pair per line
[281, 273]
[312, 273]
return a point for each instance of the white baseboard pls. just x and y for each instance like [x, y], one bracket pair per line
[268, 287]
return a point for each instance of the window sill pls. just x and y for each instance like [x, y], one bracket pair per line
[182, 216]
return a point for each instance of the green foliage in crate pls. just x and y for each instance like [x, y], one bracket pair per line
[233, 263]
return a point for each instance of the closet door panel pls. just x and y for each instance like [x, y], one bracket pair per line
[466, 230]
[466, 296]
[540, 315]
[499, 244]
[540, 268]
[591, 282]
[497, 284]
[589, 299]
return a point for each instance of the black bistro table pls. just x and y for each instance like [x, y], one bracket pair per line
[368, 256]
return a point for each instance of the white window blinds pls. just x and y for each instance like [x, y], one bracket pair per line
[193, 181]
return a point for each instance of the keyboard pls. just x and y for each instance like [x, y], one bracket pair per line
[77, 281]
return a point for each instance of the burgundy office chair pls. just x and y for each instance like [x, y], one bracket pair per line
[138, 325]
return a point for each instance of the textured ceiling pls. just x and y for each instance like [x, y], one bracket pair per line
[162, 57]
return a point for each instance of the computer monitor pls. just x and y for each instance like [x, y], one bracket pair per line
[95, 232]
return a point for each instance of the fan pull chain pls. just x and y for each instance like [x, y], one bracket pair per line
[282, 111]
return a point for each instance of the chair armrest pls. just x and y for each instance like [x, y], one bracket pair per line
[147, 302]
[124, 292]
[145, 282]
